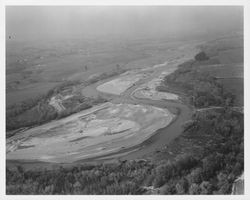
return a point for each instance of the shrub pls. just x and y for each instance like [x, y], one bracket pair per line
[201, 56]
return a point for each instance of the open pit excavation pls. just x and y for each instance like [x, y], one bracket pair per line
[98, 131]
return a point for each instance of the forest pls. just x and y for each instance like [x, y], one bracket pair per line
[202, 89]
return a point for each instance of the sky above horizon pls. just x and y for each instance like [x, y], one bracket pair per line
[45, 22]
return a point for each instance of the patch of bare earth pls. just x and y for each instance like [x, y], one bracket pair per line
[98, 131]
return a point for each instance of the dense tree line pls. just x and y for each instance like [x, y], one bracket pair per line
[23, 106]
[38, 114]
[203, 89]
[79, 103]
[43, 112]
[104, 75]
[201, 56]
[37, 111]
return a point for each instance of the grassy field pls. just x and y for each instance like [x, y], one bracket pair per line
[228, 43]
[229, 52]
[224, 70]
[236, 87]
[231, 56]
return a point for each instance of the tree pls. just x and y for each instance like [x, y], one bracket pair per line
[201, 56]
[206, 187]
[182, 186]
[168, 188]
[211, 164]
[194, 189]
[222, 178]
[225, 188]
[195, 176]
[117, 67]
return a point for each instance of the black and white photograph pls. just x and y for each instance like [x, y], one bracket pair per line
[123, 100]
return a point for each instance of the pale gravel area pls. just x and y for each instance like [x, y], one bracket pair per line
[99, 131]
[149, 89]
[119, 85]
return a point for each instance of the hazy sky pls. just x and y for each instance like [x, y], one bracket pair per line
[29, 22]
